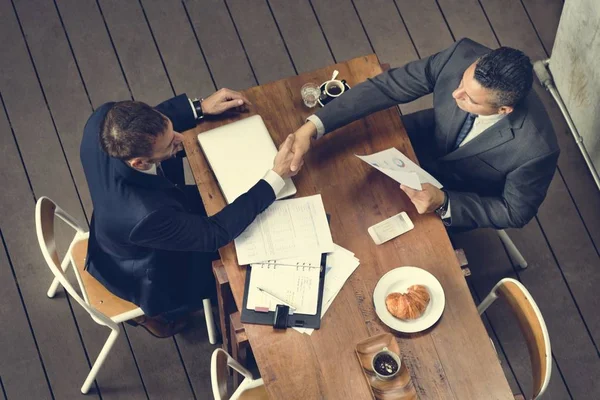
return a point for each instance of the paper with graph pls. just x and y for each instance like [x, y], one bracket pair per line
[400, 168]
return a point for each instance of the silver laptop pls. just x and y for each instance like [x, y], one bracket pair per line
[240, 154]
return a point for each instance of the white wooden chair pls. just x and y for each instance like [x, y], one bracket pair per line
[249, 389]
[104, 307]
[515, 255]
[532, 326]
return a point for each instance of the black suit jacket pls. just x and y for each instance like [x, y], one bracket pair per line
[142, 233]
[500, 178]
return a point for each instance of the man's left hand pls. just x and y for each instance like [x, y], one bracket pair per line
[426, 200]
[223, 100]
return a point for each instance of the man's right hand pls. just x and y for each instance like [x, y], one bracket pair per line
[302, 144]
[284, 157]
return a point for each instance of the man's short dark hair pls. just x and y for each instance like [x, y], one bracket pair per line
[130, 129]
[508, 72]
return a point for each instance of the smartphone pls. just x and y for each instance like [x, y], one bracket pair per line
[390, 228]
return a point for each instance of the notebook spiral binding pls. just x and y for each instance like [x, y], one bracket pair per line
[273, 264]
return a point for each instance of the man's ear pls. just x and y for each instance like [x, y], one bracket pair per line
[139, 163]
[505, 110]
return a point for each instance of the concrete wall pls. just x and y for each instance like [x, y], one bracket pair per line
[575, 66]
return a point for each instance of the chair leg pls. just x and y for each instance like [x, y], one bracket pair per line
[114, 334]
[54, 286]
[210, 323]
[486, 302]
[515, 255]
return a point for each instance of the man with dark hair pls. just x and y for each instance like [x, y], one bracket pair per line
[488, 139]
[151, 242]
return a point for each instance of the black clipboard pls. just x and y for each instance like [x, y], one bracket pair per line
[294, 320]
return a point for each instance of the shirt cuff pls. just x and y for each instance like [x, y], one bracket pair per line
[193, 109]
[276, 182]
[447, 216]
[318, 123]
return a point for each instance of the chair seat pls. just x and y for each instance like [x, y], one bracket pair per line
[98, 296]
[257, 393]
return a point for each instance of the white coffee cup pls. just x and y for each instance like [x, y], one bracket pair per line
[334, 88]
[393, 358]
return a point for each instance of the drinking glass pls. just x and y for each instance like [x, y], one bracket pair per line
[310, 94]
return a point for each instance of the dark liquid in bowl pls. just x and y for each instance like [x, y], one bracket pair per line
[385, 365]
[334, 90]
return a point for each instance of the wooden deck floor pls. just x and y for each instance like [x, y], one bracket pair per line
[61, 59]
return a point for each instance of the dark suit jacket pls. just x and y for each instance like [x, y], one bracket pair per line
[142, 234]
[500, 178]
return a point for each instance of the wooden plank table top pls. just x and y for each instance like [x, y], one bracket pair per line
[452, 360]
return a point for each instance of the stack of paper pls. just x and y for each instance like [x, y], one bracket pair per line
[288, 228]
[284, 247]
[341, 263]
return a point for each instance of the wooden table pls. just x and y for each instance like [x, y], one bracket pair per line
[452, 360]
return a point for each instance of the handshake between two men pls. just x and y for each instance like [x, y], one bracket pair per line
[290, 159]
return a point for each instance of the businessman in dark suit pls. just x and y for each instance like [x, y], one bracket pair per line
[488, 138]
[150, 240]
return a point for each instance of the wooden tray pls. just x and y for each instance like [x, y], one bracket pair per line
[398, 388]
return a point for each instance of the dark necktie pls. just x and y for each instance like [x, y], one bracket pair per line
[464, 131]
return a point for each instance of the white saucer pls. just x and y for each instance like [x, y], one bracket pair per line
[399, 280]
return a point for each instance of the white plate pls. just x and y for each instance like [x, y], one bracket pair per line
[399, 280]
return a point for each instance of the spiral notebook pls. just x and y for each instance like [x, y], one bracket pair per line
[293, 280]
[301, 282]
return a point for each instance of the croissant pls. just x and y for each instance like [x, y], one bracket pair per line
[409, 305]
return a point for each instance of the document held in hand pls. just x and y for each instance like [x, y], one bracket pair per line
[400, 168]
[288, 228]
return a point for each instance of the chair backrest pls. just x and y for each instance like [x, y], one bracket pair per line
[220, 362]
[532, 325]
[45, 211]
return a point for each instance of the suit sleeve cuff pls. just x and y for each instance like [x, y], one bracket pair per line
[319, 124]
[193, 109]
[276, 182]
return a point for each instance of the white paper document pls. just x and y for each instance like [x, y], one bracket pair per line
[296, 282]
[288, 228]
[400, 168]
[340, 265]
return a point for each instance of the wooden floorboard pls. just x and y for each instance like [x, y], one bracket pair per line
[48, 173]
[150, 49]
[302, 35]
[20, 357]
[136, 50]
[544, 15]
[261, 39]
[183, 57]
[465, 18]
[215, 31]
[93, 51]
[60, 80]
[342, 29]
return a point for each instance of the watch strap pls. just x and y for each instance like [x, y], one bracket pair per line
[197, 103]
